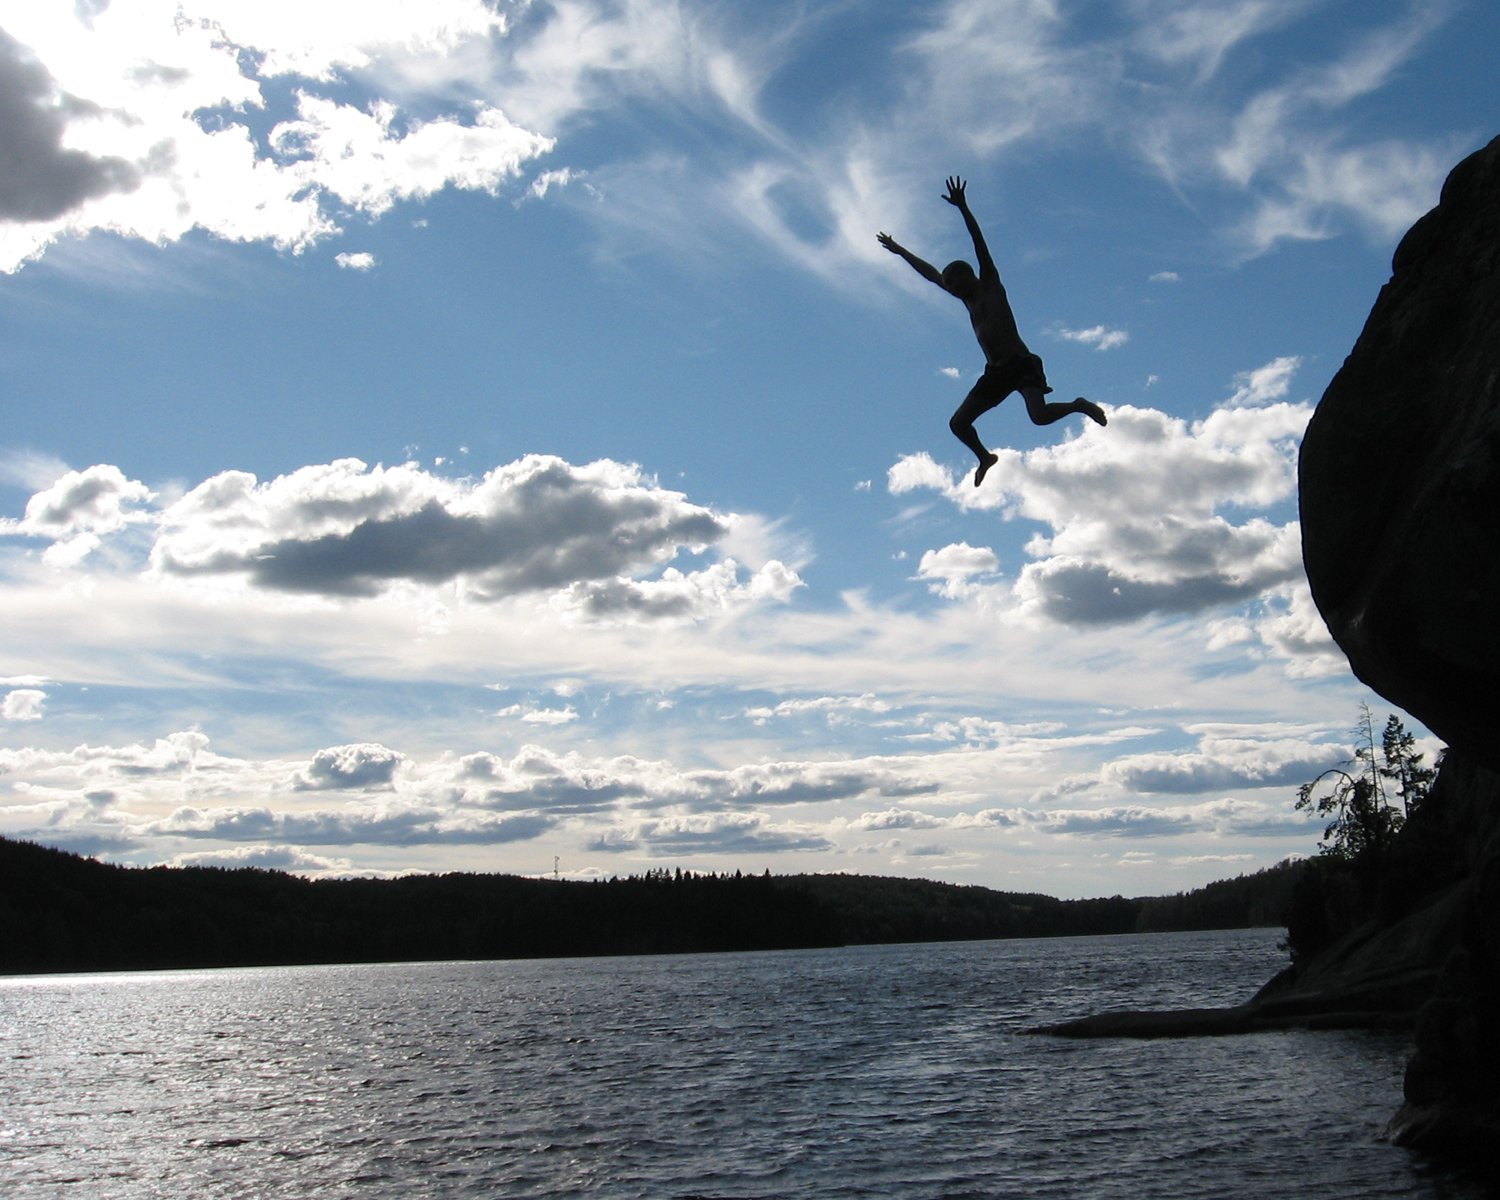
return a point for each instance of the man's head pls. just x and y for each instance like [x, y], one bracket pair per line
[959, 278]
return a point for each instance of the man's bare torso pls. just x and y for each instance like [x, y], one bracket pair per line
[994, 324]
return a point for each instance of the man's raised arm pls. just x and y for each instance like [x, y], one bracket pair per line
[925, 269]
[959, 201]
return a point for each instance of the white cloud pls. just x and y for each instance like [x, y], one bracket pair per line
[79, 510]
[148, 119]
[675, 595]
[1264, 384]
[23, 704]
[368, 160]
[598, 537]
[953, 570]
[138, 119]
[267, 858]
[1146, 514]
[540, 716]
[711, 834]
[1166, 277]
[1200, 36]
[833, 708]
[547, 180]
[1097, 336]
[97, 500]
[43, 178]
[359, 260]
[358, 767]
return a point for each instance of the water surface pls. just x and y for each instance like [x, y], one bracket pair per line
[895, 1071]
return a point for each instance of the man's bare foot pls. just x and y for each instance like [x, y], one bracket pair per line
[1091, 410]
[985, 463]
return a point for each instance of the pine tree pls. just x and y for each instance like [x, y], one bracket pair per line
[1403, 765]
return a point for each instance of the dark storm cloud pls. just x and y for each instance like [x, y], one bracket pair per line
[40, 179]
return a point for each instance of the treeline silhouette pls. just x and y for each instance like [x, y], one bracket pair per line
[63, 912]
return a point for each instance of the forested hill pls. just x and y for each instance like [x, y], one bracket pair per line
[62, 912]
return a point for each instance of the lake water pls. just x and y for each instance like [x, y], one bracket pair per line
[891, 1071]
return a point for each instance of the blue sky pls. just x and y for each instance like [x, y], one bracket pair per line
[486, 437]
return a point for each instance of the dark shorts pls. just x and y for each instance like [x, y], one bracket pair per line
[1001, 379]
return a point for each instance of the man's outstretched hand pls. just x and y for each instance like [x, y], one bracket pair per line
[955, 194]
[888, 242]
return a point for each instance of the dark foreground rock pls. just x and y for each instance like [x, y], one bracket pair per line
[1399, 485]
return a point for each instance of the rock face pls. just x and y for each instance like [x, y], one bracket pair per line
[1400, 475]
[1400, 495]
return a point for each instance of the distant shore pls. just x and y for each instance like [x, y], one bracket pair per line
[63, 912]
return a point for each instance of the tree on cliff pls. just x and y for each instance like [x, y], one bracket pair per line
[1403, 765]
[1363, 821]
[1358, 860]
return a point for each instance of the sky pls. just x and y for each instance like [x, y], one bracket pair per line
[489, 437]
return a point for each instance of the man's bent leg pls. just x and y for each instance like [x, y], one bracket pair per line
[1044, 412]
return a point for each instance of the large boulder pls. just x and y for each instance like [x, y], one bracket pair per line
[1400, 475]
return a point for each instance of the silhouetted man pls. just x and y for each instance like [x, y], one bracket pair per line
[1009, 365]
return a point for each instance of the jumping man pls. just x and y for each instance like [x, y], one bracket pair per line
[1009, 365]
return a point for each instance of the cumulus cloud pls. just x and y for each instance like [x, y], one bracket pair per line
[897, 818]
[79, 509]
[344, 529]
[1220, 764]
[678, 596]
[360, 766]
[359, 260]
[1154, 515]
[599, 538]
[372, 158]
[42, 179]
[23, 704]
[953, 570]
[148, 119]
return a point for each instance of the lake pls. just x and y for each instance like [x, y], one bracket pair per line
[882, 1071]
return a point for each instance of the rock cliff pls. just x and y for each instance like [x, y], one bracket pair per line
[1400, 475]
[1399, 485]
